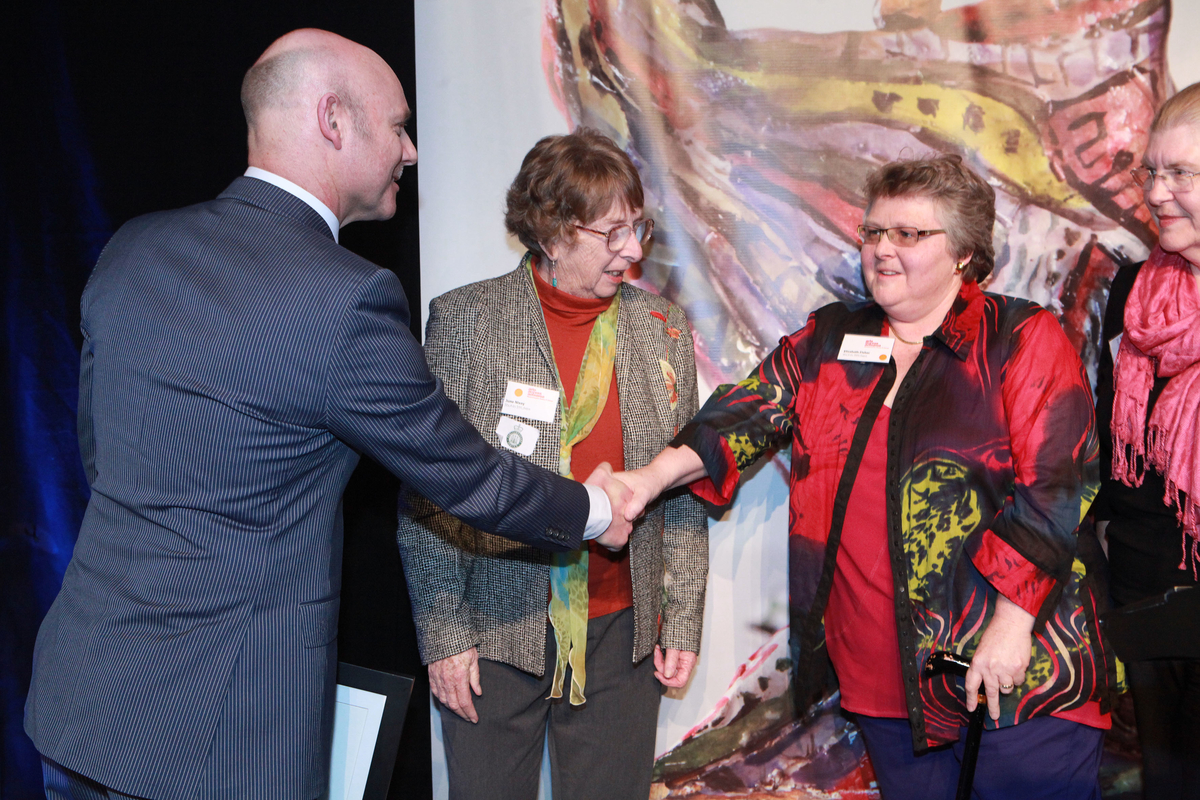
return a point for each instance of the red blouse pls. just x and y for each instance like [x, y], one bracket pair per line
[860, 620]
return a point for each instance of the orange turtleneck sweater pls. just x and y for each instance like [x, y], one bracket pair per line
[569, 320]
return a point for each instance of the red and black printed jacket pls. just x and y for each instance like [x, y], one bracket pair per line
[992, 464]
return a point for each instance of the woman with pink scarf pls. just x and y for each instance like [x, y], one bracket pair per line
[1149, 401]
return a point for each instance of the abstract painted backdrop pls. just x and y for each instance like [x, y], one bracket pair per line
[753, 144]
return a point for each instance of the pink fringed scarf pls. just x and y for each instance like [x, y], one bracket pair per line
[1162, 336]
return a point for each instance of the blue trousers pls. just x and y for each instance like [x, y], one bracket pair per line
[1046, 757]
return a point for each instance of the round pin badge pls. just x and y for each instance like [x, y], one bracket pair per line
[513, 439]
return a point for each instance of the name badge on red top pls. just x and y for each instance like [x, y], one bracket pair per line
[872, 349]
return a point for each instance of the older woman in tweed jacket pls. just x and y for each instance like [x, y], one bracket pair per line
[617, 363]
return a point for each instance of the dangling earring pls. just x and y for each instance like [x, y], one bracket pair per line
[551, 263]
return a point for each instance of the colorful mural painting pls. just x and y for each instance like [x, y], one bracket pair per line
[753, 145]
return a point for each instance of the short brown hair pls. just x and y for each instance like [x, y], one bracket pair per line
[1182, 109]
[966, 204]
[566, 180]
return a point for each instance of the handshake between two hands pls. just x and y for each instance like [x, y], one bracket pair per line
[629, 493]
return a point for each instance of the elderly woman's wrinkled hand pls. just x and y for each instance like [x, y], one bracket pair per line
[674, 668]
[453, 679]
[1002, 657]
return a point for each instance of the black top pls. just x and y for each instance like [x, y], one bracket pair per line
[1145, 541]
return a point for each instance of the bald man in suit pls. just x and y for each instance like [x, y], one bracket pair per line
[236, 361]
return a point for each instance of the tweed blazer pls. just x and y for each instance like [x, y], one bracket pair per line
[235, 362]
[470, 588]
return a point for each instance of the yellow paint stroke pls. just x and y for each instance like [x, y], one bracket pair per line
[1026, 165]
[1021, 159]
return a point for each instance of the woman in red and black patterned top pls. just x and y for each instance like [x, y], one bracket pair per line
[943, 457]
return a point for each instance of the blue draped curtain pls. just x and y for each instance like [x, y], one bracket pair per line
[53, 230]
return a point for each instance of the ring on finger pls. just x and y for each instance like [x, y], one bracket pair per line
[1006, 686]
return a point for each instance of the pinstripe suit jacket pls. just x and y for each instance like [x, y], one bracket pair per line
[235, 358]
[470, 588]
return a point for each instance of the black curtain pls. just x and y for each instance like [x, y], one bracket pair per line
[116, 110]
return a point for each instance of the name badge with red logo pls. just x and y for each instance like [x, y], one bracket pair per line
[871, 349]
[530, 401]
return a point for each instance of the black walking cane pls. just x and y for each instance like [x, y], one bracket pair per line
[940, 663]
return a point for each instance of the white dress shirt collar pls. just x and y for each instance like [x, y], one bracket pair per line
[300, 192]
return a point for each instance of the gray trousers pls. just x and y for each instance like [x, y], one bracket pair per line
[603, 749]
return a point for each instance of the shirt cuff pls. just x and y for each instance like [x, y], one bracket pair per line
[599, 512]
[1011, 574]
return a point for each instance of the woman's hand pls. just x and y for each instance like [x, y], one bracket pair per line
[645, 485]
[453, 679]
[1002, 656]
[674, 466]
[675, 668]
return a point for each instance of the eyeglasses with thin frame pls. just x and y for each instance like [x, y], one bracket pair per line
[618, 235]
[1174, 179]
[901, 236]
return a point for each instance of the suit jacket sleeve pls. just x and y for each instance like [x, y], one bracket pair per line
[685, 522]
[382, 400]
[435, 547]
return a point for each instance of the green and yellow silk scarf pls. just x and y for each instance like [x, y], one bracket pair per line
[569, 571]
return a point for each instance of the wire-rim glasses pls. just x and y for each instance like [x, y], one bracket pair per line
[1174, 179]
[901, 235]
[618, 235]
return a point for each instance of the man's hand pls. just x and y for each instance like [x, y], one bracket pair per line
[453, 679]
[1003, 654]
[617, 533]
[675, 669]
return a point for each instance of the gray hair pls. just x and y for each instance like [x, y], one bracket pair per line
[1182, 109]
